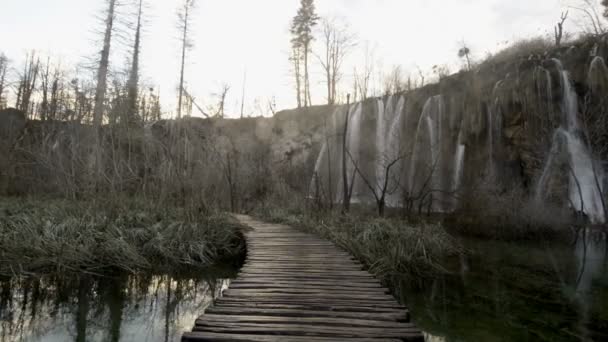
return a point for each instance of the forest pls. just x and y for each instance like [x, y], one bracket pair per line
[475, 191]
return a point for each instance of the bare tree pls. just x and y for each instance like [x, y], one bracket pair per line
[559, 29]
[3, 70]
[221, 96]
[421, 75]
[337, 42]
[184, 22]
[363, 77]
[297, 71]
[382, 187]
[591, 11]
[27, 82]
[104, 64]
[393, 81]
[50, 79]
[133, 83]
[243, 94]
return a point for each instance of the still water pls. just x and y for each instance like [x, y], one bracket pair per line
[519, 292]
[88, 308]
[500, 292]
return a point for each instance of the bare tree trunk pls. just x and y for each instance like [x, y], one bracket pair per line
[296, 69]
[329, 176]
[243, 94]
[3, 68]
[183, 64]
[133, 86]
[102, 73]
[345, 189]
[307, 101]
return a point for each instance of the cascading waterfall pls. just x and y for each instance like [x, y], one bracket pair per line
[584, 186]
[324, 154]
[354, 145]
[458, 164]
[429, 127]
[381, 138]
[388, 139]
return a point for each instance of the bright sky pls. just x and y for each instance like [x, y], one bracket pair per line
[231, 36]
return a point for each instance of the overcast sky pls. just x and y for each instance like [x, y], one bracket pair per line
[231, 36]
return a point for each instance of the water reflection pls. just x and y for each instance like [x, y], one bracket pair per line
[85, 308]
[519, 292]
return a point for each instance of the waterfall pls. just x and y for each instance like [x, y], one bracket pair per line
[459, 162]
[584, 176]
[388, 140]
[381, 140]
[319, 173]
[394, 133]
[354, 144]
[429, 124]
[585, 191]
[597, 77]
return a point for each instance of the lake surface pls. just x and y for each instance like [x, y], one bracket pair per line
[87, 308]
[518, 292]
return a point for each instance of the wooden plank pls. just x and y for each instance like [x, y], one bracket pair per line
[229, 337]
[322, 295]
[333, 307]
[315, 302]
[307, 287]
[396, 316]
[319, 321]
[307, 330]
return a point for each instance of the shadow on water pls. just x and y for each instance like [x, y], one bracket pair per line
[518, 292]
[119, 308]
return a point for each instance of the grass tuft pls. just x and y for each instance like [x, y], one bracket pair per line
[47, 236]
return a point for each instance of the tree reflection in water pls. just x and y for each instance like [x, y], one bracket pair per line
[90, 308]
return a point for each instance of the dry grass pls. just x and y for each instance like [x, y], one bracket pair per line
[47, 236]
[392, 249]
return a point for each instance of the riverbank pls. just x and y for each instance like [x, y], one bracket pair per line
[392, 249]
[43, 236]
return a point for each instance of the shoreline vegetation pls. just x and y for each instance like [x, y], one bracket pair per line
[392, 249]
[53, 236]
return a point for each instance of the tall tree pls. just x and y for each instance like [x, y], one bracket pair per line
[27, 83]
[301, 30]
[297, 70]
[605, 4]
[3, 69]
[133, 83]
[337, 43]
[184, 18]
[104, 64]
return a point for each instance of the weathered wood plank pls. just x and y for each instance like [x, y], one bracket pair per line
[323, 321]
[306, 330]
[229, 337]
[396, 316]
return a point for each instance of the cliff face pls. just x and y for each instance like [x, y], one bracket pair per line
[535, 121]
[535, 124]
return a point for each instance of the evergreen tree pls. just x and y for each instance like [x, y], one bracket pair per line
[301, 30]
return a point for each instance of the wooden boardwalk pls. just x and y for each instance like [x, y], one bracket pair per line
[297, 287]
